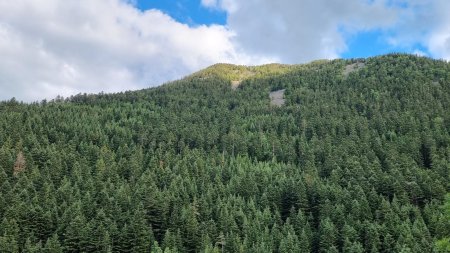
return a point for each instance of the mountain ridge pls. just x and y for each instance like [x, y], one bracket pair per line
[350, 162]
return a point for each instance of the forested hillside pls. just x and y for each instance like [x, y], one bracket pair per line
[356, 160]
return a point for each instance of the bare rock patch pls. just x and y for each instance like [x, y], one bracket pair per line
[235, 84]
[353, 67]
[277, 97]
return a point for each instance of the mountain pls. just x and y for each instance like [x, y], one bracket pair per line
[354, 156]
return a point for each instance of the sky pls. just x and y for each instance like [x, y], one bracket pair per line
[67, 47]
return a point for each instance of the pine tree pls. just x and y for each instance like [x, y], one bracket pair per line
[372, 240]
[191, 230]
[9, 241]
[304, 242]
[74, 234]
[352, 247]
[31, 247]
[289, 243]
[173, 241]
[327, 234]
[155, 248]
[52, 245]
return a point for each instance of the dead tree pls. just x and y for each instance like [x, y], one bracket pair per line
[19, 165]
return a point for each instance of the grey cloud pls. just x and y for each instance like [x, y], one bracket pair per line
[304, 30]
[299, 31]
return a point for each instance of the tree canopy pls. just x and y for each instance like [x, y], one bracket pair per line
[352, 162]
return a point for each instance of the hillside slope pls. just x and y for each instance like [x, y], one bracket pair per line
[356, 160]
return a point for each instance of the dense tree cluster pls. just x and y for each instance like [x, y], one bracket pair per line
[351, 163]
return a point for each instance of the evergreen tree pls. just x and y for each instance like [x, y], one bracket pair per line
[327, 232]
[53, 245]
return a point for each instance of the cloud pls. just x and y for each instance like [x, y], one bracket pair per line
[438, 42]
[419, 52]
[54, 47]
[423, 23]
[229, 5]
[300, 31]
[209, 3]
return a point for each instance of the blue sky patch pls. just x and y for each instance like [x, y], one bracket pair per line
[365, 44]
[375, 42]
[189, 12]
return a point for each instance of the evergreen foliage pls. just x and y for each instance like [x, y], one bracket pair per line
[354, 162]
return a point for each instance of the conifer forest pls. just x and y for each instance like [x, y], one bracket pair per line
[355, 157]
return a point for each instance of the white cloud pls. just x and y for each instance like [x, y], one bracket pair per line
[425, 23]
[229, 5]
[54, 47]
[209, 3]
[419, 52]
[438, 42]
[300, 31]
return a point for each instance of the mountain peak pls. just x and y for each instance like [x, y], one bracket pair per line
[238, 73]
